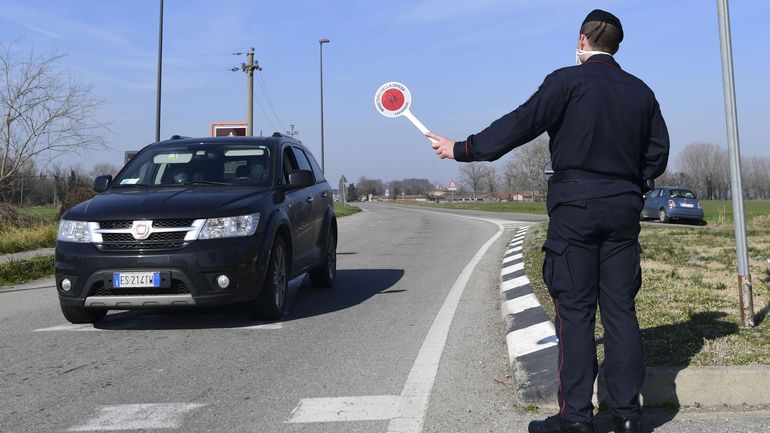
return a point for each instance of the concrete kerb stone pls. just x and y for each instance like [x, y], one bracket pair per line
[533, 356]
[531, 337]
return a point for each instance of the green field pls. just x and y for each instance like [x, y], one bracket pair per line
[43, 213]
[720, 212]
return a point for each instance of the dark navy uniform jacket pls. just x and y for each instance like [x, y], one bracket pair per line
[607, 135]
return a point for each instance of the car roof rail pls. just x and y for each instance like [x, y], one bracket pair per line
[177, 137]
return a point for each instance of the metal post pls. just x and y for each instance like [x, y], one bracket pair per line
[321, 45]
[733, 144]
[160, 73]
[250, 92]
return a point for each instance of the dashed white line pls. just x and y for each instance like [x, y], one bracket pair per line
[71, 327]
[138, 417]
[336, 409]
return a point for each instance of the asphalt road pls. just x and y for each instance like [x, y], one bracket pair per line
[410, 339]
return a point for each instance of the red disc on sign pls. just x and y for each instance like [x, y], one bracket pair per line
[393, 99]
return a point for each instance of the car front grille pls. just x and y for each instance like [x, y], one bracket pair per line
[156, 241]
[168, 234]
[178, 287]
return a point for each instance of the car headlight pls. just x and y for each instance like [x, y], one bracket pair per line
[74, 231]
[229, 227]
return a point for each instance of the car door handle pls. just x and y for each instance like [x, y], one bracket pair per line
[309, 199]
[325, 194]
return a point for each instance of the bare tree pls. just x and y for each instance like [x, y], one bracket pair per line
[491, 180]
[473, 176]
[43, 111]
[705, 166]
[104, 168]
[524, 168]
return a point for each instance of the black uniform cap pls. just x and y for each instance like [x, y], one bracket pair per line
[606, 17]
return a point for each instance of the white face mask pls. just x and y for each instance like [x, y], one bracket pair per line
[579, 53]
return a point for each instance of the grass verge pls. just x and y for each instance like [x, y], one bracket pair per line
[688, 304]
[345, 210]
[28, 238]
[21, 271]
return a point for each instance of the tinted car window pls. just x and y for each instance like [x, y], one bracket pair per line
[182, 164]
[289, 163]
[682, 193]
[304, 164]
[319, 175]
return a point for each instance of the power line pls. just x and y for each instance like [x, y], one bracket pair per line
[269, 100]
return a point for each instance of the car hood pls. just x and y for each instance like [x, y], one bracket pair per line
[170, 202]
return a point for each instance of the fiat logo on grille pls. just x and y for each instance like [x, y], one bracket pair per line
[141, 229]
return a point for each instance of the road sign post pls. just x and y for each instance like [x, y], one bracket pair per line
[452, 187]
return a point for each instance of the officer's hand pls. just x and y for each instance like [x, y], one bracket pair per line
[445, 148]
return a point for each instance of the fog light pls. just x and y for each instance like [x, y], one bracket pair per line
[223, 281]
[66, 285]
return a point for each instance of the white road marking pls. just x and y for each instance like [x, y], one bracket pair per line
[336, 409]
[516, 249]
[408, 415]
[517, 305]
[138, 417]
[531, 339]
[419, 383]
[69, 327]
[263, 326]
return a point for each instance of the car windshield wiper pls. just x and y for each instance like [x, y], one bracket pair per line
[133, 185]
[203, 182]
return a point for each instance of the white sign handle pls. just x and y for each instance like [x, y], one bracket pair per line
[408, 114]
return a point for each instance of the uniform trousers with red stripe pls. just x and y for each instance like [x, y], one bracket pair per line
[592, 257]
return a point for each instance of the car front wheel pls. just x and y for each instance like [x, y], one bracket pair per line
[271, 303]
[326, 273]
[75, 314]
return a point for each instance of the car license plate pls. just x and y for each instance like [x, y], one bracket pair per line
[690, 205]
[136, 279]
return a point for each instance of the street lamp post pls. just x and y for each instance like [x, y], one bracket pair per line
[321, 46]
[160, 73]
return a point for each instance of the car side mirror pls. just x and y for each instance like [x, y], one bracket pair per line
[101, 183]
[301, 179]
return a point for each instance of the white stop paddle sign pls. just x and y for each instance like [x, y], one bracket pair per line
[393, 99]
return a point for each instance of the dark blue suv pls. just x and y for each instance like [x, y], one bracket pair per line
[672, 203]
[199, 221]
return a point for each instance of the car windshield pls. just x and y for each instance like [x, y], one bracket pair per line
[198, 164]
[682, 193]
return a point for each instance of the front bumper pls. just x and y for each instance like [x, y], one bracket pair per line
[188, 274]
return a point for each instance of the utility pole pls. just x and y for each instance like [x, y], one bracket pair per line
[734, 151]
[292, 132]
[249, 67]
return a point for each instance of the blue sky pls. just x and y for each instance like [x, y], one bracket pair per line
[466, 63]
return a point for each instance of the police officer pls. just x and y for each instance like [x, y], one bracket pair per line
[607, 139]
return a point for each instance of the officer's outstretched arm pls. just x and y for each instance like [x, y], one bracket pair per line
[522, 125]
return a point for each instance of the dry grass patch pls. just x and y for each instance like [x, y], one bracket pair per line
[688, 304]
